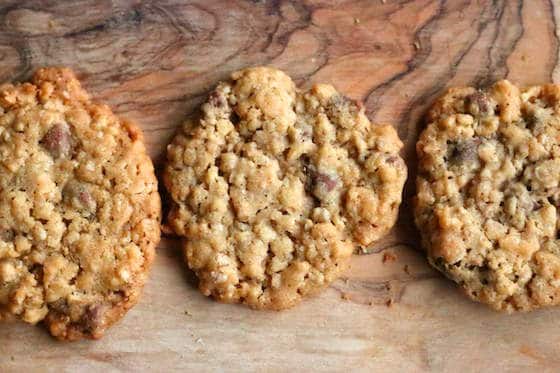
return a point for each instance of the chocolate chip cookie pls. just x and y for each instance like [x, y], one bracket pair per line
[273, 188]
[489, 194]
[79, 208]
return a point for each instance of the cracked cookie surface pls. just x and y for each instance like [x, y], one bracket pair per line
[273, 188]
[488, 193]
[79, 208]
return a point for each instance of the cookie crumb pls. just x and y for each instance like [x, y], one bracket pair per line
[166, 229]
[389, 257]
[345, 296]
[187, 313]
[406, 269]
[389, 302]
[416, 45]
[356, 21]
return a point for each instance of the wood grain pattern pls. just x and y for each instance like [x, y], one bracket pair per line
[154, 61]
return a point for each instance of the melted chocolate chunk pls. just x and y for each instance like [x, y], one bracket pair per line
[307, 170]
[78, 196]
[58, 141]
[93, 317]
[462, 152]
[315, 179]
[479, 103]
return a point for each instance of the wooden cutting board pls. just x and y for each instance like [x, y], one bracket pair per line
[154, 62]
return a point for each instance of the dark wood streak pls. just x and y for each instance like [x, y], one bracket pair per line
[429, 94]
[498, 69]
[25, 56]
[132, 17]
[522, 31]
[483, 76]
[411, 65]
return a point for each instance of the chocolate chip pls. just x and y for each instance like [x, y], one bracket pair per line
[217, 99]
[6, 234]
[59, 305]
[339, 105]
[308, 171]
[439, 263]
[317, 182]
[326, 181]
[392, 159]
[93, 317]
[86, 199]
[478, 103]
[460, 152]
[78, 196]
[58, 141]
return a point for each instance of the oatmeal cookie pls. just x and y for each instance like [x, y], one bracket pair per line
[274, 188]
[489, 195]
[79, 208]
